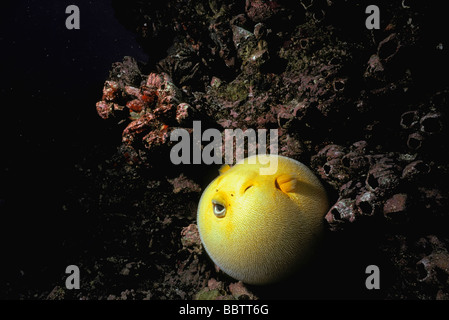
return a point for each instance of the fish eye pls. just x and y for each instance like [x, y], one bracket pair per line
[219, 209]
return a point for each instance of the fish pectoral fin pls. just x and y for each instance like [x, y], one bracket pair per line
[224, 168]
[286, 183]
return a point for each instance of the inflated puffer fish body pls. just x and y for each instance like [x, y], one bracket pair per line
[258, 228]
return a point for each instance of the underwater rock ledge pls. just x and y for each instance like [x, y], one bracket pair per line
[364, 109]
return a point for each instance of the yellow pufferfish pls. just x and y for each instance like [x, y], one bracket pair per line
[259, 228]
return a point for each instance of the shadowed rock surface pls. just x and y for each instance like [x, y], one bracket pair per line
[366, 110]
